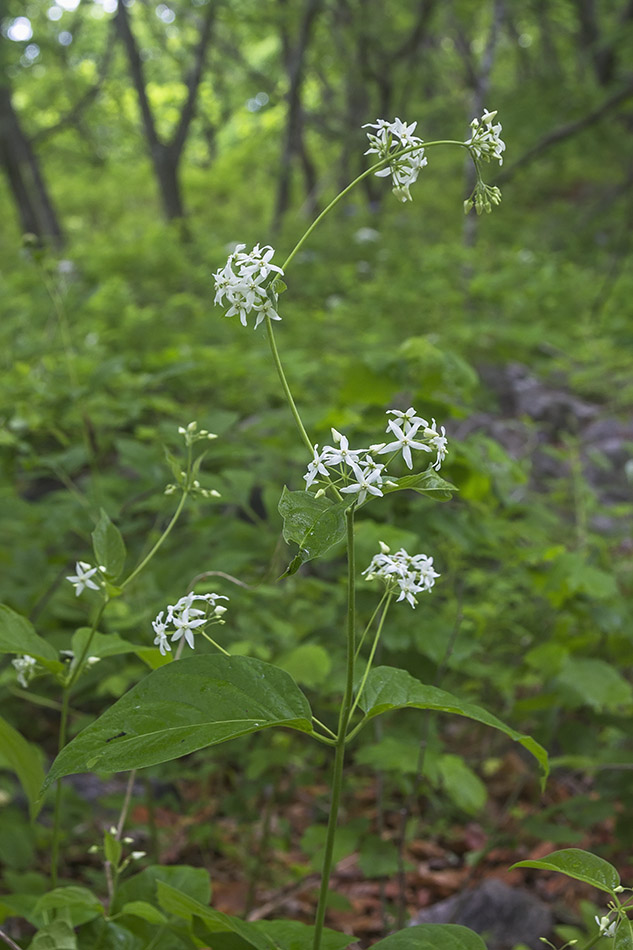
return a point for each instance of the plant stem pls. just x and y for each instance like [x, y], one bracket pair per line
[5, 937]
[286, 387]
[63, 728]
[344, 716]
[372, 653]
[368, 171]
[137, 570]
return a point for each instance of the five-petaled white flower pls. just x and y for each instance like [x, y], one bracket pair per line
[404, 441]
[241, 281]
[486, 142]
[183, 618]
[83, 577]
[368, 480]
[439, 442]
[410, 573]
[389, 139]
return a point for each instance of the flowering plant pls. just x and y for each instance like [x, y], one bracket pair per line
[196, 701]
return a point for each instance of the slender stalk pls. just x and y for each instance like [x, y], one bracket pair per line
[137, 570]
[126, 803]
[368, 171]
[344, 716]
[286, 387]
[61, 742]
[7, 939]
[372, 653]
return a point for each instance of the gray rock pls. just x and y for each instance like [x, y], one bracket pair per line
[504, 916]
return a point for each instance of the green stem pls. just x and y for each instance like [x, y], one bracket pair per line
[61, 742]
[369, 171]
[372, 653]
[286, 387]
[344, 716]
[148, 557]
[370, 622]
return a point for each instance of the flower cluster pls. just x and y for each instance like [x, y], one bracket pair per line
[411, 573]
[192, 434]
[486, 141]
[390, 138]
[85, 576]
[358, 472]
[483, 198]
[241, 282]
[606, 926]
[24, 667]
[183, 618]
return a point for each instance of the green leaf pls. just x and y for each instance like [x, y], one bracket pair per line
[315, 524]
[145, 911]
[141, 887]
[624, 935]
[25, 759]
[58, 935]
[596, 683]
[112, 848]
[17, 635]
[81, 903]
[293, 935]
[176, 902]
[581, 865]
[426, 483]
[188, 705]
[462, 785]
[389, 688]
[309, 664]
[108, 546]
[432, 937]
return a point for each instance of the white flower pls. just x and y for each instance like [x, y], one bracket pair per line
[160, 629]
[241, 282]
[367, 481]
[183, 618]
[486, 142]
[82, 578]
[411, 574]
[439, 442]
[607, 927]
[408, 415]
[404, 441]
[186, 624]
[24, 667]
[390, 138]
[341, 453]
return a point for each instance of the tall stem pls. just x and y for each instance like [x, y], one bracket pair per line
[344, 717]
[148, 557]
[286, 387]
[61, 742]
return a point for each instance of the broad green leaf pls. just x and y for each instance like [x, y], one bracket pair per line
[388, 688]
[110, 935]
[426, 483]
[293, 935]
[58, 935]
[142, 886]
[315, 524]
[462, 785]
[188, 705]
[432, 937]
[596, 683]
[103, 644]
[308, 664]
[108, 546]
[624, 935]
[581, 865]
[17, 635]
[176, 902]
[145, 911]
[79, 901]
[25, 759]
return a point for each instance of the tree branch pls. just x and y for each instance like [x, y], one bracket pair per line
[193, 84]
[567, 131]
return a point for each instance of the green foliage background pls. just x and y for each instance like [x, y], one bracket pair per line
[110, 344]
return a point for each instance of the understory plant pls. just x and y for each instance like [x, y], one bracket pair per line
[191, 702]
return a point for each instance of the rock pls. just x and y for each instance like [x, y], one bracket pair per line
[504, 916]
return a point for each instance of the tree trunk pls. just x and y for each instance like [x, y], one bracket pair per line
[34, 206]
